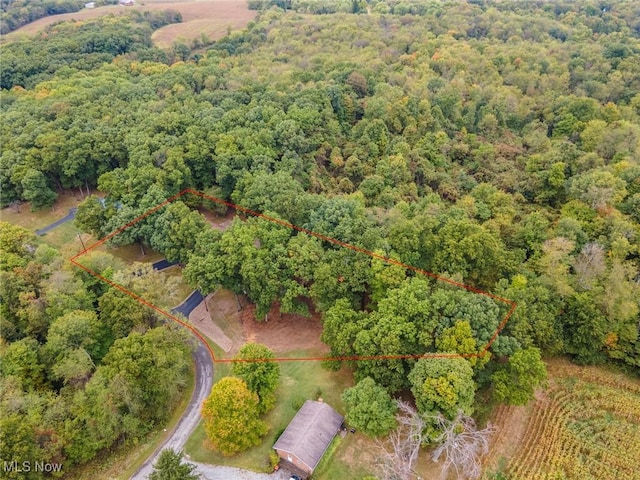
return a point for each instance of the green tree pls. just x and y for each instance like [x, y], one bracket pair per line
[231, 417]
[341, 324]
[443, 385]
[169, 466]
[77, 330]
[515, 382]
[18, 443]
[584, 328]
[17, 245]
[370, 408]
[21, 359]
[459, 338]
[249, 257]
[598, 188]
[121, 313]
[176, 230]
[253, 364]
[91, 216]
[36, 190]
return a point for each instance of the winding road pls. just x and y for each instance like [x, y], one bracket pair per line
[178, 437]
[203, 383]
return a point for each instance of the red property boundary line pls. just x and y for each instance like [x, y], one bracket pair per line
[482, 351]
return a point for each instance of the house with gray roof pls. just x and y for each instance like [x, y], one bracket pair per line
[307, 437]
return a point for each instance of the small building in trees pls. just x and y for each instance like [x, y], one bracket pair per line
[307, 437]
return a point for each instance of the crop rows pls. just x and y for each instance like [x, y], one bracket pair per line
[586, 428]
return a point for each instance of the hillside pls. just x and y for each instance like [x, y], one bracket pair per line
[405, 173]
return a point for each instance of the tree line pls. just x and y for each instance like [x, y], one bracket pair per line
[495, 143]
[84, 368]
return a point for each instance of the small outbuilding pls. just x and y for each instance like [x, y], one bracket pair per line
[90, 5]
[307, 437]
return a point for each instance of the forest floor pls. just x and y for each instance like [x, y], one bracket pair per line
[212, 18]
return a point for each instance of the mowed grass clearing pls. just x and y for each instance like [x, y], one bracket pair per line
[212, 18]
[64, 237]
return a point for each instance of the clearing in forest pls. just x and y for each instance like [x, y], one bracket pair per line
[263, 332]
[213, 18]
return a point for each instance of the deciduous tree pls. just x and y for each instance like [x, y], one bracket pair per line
[370, 408]
[254, 365]
[231, 417]
[515, 382]
[443, 385]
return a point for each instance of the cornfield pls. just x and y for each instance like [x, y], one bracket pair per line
[586, 427]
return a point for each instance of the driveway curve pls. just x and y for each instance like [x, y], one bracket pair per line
[187, 424]
[203, 383]
[69, 216]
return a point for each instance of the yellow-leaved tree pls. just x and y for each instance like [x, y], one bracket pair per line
[231, 418]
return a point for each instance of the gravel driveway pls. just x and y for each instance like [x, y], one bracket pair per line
[214, 472]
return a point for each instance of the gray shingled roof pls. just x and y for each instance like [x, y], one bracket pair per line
[310, 432]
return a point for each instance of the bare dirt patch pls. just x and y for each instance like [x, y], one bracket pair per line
[230, 322]
[212, 17]
[284, 332]
[217, 221]
[512, 424]
[200, 317]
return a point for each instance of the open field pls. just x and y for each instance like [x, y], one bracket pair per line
[212, 18]
[586, 425]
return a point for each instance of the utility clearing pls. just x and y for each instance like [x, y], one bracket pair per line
[230, 322]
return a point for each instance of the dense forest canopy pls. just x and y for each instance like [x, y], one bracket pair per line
[493, 142]
[84, 368]
[505, 154]
[82, 46]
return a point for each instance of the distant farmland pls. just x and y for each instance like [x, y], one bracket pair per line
[210, 17]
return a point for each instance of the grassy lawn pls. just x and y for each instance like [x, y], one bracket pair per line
[64, 237]
[183, 290]
[35, 220]
[299, 381]
[335, 464]
[348, 457]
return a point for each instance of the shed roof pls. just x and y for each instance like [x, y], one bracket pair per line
[310, 432]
